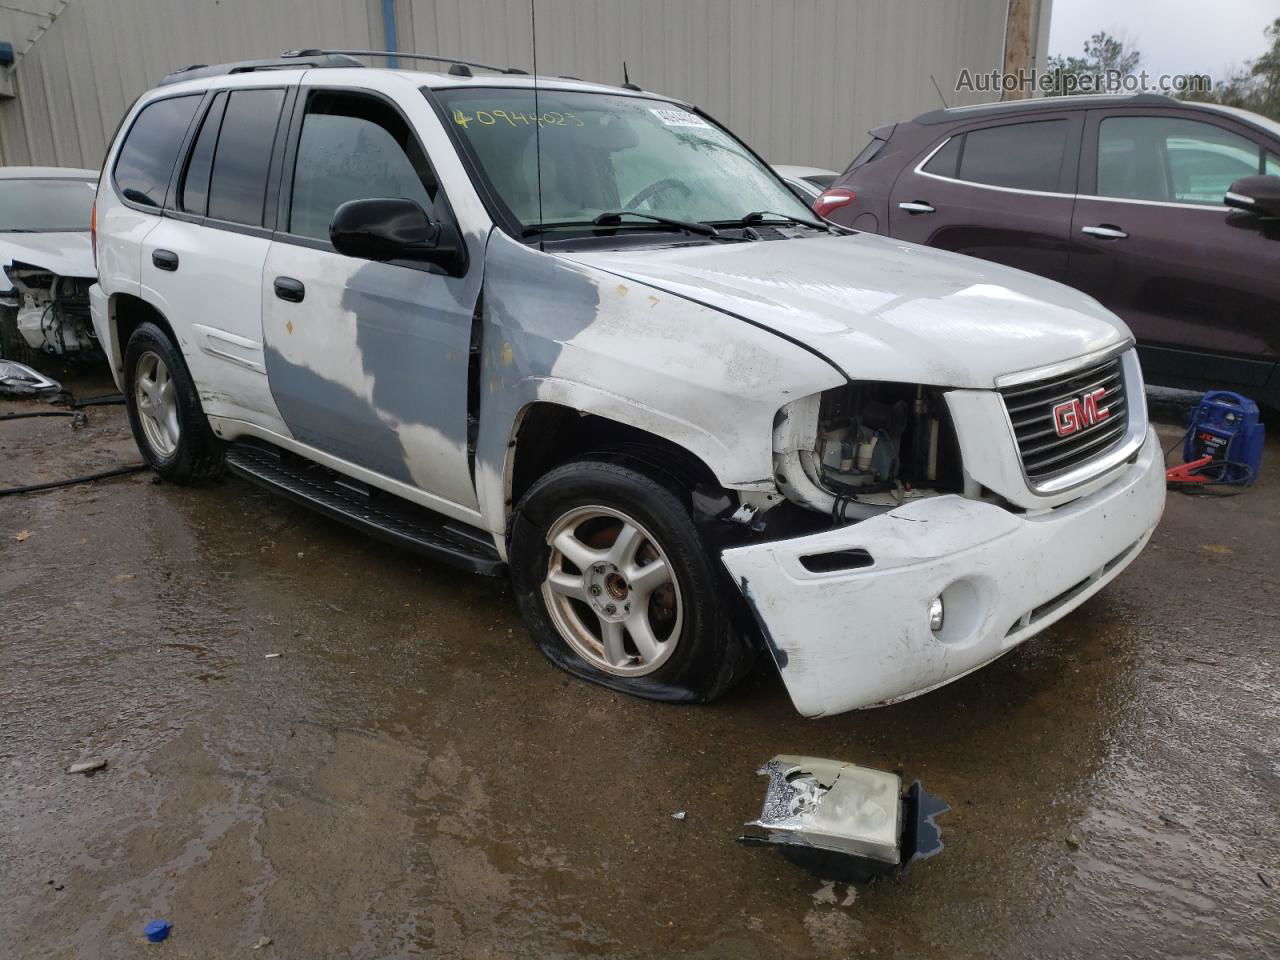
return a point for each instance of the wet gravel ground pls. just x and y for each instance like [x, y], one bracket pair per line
[409, 777]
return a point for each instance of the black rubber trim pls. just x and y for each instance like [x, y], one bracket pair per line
[378, 514]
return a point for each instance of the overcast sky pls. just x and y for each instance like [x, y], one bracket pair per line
[1175, 36]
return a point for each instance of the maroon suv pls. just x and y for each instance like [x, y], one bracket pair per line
[1166, 212]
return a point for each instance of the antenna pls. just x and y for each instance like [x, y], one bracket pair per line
[537, 116]
[945, 106]
[626, 80]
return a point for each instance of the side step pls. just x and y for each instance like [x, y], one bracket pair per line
[376, 512]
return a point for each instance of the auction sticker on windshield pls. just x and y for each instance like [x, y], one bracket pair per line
[678, 118]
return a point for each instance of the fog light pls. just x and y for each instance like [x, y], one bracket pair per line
[935, 615]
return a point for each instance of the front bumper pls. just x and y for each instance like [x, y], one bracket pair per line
[861, 638]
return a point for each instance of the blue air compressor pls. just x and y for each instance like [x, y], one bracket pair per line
[1223, 443]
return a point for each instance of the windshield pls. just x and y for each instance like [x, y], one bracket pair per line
[45, 206]
[603, 153]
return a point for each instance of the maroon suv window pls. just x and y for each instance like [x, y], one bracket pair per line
[1172, 159]
[1021, 156]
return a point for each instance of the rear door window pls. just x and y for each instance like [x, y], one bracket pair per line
[1020, 156]
[1024, 156]
[238, 184]
[150, 149]
[1172, 159]
[354, 146]
[195, 183]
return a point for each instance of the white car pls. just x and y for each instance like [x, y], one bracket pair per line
[807, 182]
[598, 345]
[46, 263]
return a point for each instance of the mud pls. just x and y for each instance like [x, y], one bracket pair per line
[410, 778]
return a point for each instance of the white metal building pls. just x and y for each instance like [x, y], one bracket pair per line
[801, 80]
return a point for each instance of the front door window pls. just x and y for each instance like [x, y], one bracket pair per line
[1172, 159]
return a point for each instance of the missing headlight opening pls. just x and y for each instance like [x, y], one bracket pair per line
[886, 437]
[52, 312]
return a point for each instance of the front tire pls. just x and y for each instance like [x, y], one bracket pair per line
[168, 421]
[617, 587]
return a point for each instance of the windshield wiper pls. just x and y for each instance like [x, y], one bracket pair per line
[758, 216]
[613, 218]
[693, 226]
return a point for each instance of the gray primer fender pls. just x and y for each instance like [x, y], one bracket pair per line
[562, 332]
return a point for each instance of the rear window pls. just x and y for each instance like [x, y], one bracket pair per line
[865, 155]
[150, 148]
[1021, 156]
[238, 185]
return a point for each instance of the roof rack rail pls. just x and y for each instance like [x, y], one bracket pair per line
[288, 61]
[406, 56]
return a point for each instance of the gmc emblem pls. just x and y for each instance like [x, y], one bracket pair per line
[1080, 413]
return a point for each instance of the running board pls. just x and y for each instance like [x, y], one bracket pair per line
[375, 512]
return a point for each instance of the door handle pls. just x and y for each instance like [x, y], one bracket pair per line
[165, 259]
[1106, 231]
[915, 206]
[290, 289]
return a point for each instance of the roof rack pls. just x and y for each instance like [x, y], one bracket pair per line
[435, 58]
[1038, 104]
[294, 59]
[288, 61]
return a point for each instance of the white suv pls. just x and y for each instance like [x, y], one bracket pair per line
[584, 334]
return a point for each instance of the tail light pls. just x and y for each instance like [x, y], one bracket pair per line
[93, 233]
[833, 199]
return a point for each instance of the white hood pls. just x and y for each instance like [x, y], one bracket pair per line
[882, 309]
[62, 254]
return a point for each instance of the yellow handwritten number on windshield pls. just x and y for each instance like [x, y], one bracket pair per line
[515, 118]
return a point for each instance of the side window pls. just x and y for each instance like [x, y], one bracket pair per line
[1273, 165]
[238, 182]
[1024, 156]
[354, 146]
[195, 182]
[946, 161]
[1171, 159]
[150, 148]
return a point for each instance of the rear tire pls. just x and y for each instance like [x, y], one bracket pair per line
[169, 424]
[641, 609]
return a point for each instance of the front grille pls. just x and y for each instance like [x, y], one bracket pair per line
[1030, 406]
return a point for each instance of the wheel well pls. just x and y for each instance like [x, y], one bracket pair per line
[130, 312]
[550, 434]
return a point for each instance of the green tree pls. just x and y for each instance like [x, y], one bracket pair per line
[1105, 57]
[1254, 87]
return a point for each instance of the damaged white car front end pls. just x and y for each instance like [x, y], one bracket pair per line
[930, 584]
[986, 469]
[50, 312]
[46, 262]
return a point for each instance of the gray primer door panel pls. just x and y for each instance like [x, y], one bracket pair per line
[371, 366]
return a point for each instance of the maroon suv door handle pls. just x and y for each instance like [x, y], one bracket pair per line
[1106, 231]
[915, 206]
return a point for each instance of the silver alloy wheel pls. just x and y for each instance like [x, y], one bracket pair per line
[611, 592]
[155, 395]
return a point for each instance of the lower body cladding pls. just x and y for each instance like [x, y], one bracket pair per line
[868, 632]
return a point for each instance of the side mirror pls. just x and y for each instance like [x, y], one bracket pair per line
[1258, 195]
[392, 228]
